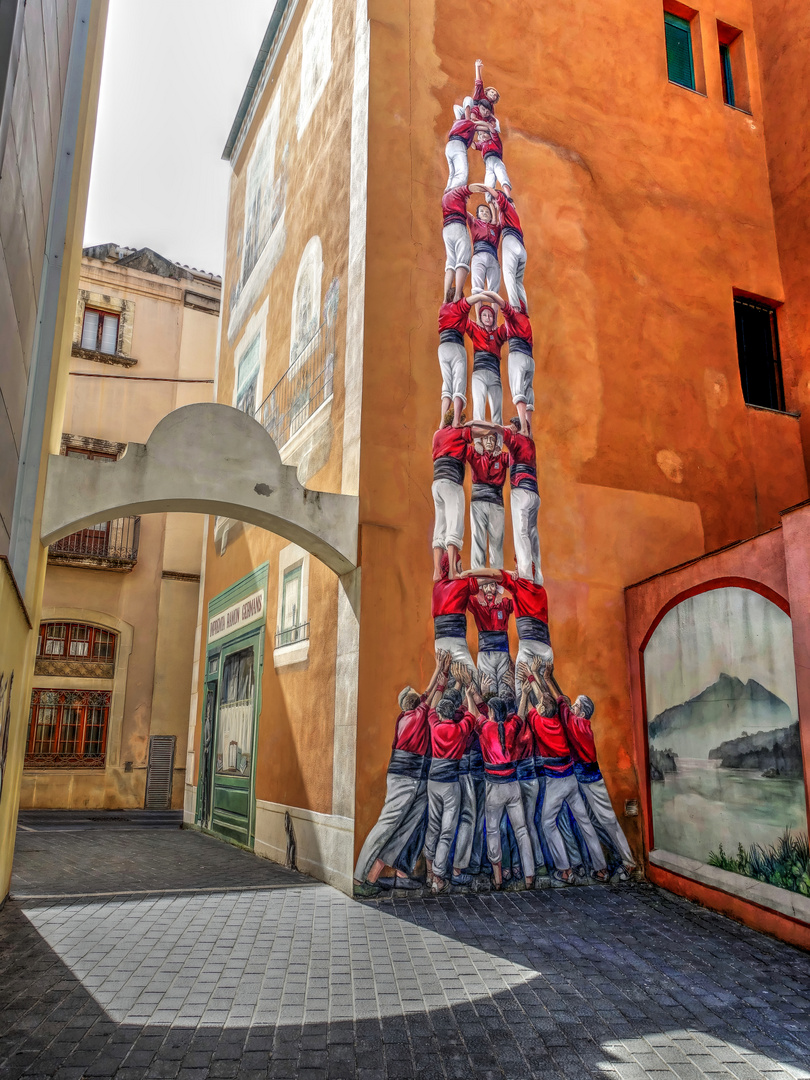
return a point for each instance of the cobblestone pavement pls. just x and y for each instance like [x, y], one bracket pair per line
[293, 979]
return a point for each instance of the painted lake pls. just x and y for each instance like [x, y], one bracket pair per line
[702, 806]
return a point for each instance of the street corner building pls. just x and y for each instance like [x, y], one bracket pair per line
[420, 229]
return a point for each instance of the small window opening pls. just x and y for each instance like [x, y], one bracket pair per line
[100, 331]
[733, 69]
[758, 354]
[680, 62]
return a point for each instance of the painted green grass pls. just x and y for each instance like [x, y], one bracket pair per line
[785, 863]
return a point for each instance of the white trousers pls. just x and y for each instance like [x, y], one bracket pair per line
[506, 798]
[400, 794]
[448, 504]
[529, 791]
[444, 805]
[513, 260]
[527, 650]
[486, 523]
[458, 167]
[566, 789]
[457, 247]
[486, 385]
[598, 799]
[498, 668]
[453, 364]
[521, 377]
[485, 271]
[495, 170]
[458, 648]
[525, 506]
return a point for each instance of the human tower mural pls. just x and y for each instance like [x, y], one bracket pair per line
[493, 779]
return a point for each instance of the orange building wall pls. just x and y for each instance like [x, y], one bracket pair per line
[644, 206]
[295, 733]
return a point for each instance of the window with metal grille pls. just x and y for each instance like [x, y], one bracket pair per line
[68, 729]
[100, 331]
[758, 354]
[76, 641]
[680, 62]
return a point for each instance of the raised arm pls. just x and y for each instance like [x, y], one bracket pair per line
[479, 297]
[549, 675]
[484, 572]
[483, 427]
[495, 298]
[438, 683]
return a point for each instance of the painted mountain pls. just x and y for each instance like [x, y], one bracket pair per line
[775, 753]
[726, 710]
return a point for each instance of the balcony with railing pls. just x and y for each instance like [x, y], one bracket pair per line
[302, 389]
[292, 635]
[110, 545]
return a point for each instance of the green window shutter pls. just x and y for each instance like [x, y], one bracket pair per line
[680, 67]
[728, 79]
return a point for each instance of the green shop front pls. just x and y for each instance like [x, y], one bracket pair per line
[226, 802]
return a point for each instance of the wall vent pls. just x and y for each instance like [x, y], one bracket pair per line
[159, 772]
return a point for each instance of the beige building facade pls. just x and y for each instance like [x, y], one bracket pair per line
[112, 671]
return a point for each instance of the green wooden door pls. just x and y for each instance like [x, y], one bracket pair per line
[233, 804]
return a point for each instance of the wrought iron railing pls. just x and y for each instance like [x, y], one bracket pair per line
[111, 545]
[302, 389]
[292, 634]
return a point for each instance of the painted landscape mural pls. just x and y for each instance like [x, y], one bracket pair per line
[726, 779]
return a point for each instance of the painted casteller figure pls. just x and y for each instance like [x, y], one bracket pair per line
[491, 614]
[406, 786]
[453, 319]
[450, 445]
[489, 467]
[487, 341]
[513, 247]
[561, 784]
[576, 720]
[448, 608]
[481, 95]
[485, 233]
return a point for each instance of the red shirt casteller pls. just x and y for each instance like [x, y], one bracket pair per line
[450, 596]
[517, 324]
[412, 732]
[491, 616]
[491, 749]
[483, 231]
[451, 442]
[454, 205]
[480, 98]
[483, 340]
[579, 733]
[453, 316]
[464, 130]
[522, 458]
[488, 468]
[530, 599]
[491, 144]
[549, 735]
[449, 738]
[510, 222]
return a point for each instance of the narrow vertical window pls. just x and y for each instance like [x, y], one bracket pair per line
[247, 379]
[680, 64]
[758, 354]
[727, 73]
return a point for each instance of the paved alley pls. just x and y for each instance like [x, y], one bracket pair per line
[214, 963]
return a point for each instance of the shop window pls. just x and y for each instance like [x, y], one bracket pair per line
[680, 58]
[68, 729]
[758, 354]
[100, 331]
[733, 69]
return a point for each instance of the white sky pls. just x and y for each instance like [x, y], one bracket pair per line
[173, 76]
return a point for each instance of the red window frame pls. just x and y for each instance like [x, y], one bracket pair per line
[68, 728]
[74, 633]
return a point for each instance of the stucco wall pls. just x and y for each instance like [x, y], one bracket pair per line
[25, 196]
[296, 727]
[643, 205]
[174, 348]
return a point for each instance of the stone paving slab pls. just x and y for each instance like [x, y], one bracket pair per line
[301, 981]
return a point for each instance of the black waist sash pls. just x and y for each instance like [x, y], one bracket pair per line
[510, 230]
[451, 335]
[493, 641]
[448, 468]
[486, 361]
[484, 247]
[491, 493]
[406, 763]
[501, 774]
[531, 629]
[528, 478]
[519, 344]
[444, 770]
[526, 769]
[453, 216]
[450, 626]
